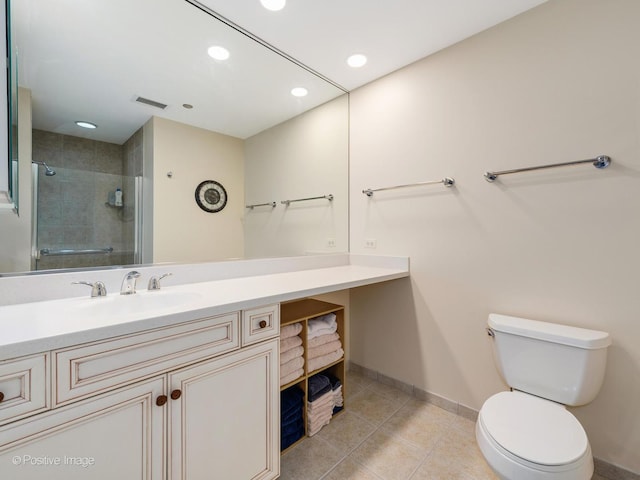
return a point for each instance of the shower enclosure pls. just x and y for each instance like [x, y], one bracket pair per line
[77, 220]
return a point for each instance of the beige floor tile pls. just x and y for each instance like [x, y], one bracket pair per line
[427, 412]
[349, 469]
[309, 460]
[458, 447]
[356, 383]
[373, 407]
[420, 432]
[346, 431]
[389, 392]
[388, 456]
[439, 468]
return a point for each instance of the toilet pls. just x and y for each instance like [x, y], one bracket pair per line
[527, 433]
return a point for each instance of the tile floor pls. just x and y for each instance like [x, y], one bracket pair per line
[386, 434]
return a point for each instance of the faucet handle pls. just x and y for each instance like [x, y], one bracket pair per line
[154, 282]
[97, 288]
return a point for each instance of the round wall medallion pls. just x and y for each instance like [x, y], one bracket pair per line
[211, 196]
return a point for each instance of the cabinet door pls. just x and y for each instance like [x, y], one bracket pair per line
[115, 435]
[224, 421]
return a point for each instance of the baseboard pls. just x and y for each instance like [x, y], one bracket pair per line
[602, 468]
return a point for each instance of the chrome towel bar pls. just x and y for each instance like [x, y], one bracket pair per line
[270, 204]
[446, 181]
[599, 162]
[327, 197]
[72, 251]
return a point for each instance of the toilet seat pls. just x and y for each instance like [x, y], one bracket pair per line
[534, 431]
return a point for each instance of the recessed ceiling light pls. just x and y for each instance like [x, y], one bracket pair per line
[357, 60]
[188, 106]
[83, 124]
[273, 5]
[299, 92]
[218, 53]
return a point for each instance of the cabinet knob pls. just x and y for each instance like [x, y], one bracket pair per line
[176, 394]
[263, 323]
[161, 400]
[1, 396]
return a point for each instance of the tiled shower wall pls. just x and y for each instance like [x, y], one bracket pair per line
[73, 209]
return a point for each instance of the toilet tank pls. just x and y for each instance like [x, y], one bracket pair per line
[557, 362]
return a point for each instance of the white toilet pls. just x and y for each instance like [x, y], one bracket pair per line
[527, 433]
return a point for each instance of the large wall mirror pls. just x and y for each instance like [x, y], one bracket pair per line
[168, 115]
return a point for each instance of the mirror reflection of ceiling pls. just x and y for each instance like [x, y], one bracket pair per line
[90, 60]
[323, 33]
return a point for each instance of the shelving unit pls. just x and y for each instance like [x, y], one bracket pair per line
[301, 311]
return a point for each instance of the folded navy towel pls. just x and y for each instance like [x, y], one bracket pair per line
[318, 385]
[292, 427]
[291, 416]
[290, 398]
[289, 439]
[333, 380]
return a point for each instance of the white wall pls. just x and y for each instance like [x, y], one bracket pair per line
[558, 83]
[301, 158]
[182, 232]
[15, 230]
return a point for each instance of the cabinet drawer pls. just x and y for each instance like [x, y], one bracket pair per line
[93, 368]
[260, 323]
[24, 387]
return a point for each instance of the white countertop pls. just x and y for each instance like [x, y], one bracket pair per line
[38, 326]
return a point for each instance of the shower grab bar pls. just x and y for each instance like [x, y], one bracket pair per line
[72, 251]
[287, 202]
[446, 181]
[601, 161]
[270, 204]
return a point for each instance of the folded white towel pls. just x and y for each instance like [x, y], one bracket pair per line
[321, 325]
[325, 349]
[319, 362]
[291, 366]
[290, 330]
[320, 402]
[292, 376]
[289, 343]
[322, 339]
[315, 423]
[291, 354]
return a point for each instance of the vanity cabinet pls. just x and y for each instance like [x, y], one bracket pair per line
[24, 387]
[114, 435]
[184, 402]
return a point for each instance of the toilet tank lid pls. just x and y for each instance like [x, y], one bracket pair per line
[550, 332]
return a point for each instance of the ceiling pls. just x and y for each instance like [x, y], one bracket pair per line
[91, 60]
[391, 33]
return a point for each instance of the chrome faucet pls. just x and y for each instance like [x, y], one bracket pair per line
[154, 282]
[97, 288]
[129, 283]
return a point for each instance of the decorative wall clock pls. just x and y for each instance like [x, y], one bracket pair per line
[211, 196]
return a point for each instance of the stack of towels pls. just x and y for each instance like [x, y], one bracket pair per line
[336, 388]
[291, 416]
[325, 399]
[291, 353]
[323, 342]
[320, 404]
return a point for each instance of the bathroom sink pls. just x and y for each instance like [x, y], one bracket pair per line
[138, 303]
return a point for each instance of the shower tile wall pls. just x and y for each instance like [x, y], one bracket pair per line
[72, 205]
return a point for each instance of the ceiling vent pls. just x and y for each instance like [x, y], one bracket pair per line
[153, 103]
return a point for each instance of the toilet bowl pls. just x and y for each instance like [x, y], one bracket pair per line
[524, 437]
[527, 433]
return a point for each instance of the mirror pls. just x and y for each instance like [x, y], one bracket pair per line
[168, 118]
